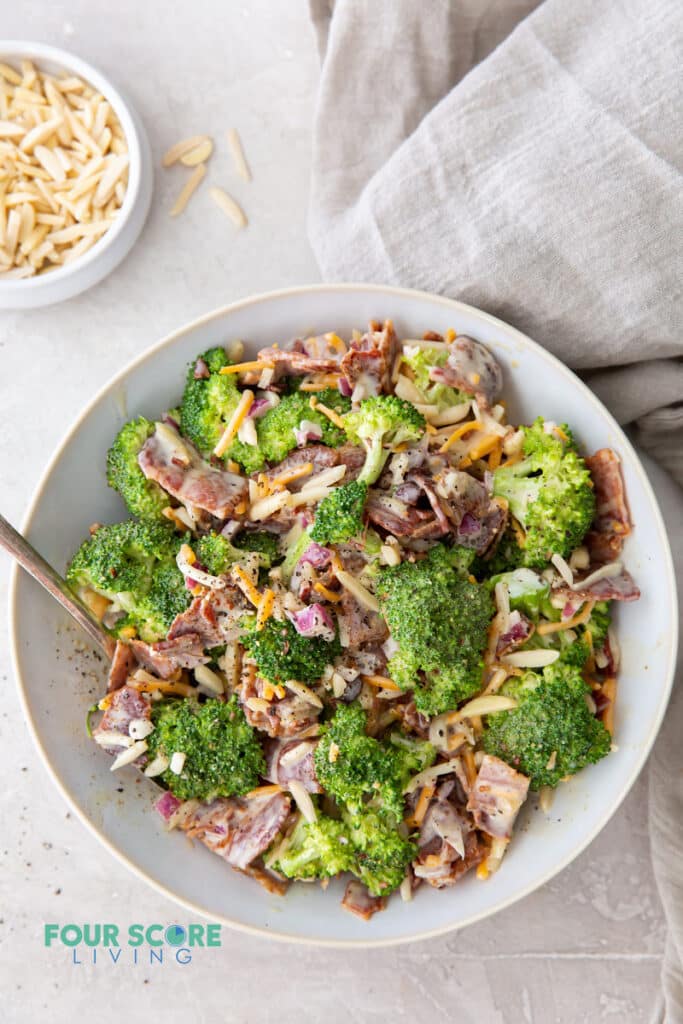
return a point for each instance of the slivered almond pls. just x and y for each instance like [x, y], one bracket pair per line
[181, 148]
[188, 189]
[237, 151]
[229, 206]
[198, 155]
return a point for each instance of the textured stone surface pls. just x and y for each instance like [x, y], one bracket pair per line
[585, 948]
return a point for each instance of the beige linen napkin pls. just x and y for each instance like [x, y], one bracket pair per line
[525, 158]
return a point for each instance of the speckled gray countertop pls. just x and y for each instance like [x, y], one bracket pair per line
[587, 947]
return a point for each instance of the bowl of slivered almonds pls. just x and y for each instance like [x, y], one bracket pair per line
[75, 175]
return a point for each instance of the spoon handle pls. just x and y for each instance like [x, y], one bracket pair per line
[29, 559]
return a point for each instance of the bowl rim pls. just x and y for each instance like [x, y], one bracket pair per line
[21, 48]
[385, 290]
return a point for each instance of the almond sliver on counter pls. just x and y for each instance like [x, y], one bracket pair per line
[229, 206]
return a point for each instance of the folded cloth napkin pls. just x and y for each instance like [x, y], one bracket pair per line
[524, 158]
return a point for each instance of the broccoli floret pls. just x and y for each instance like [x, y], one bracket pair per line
[143, 497]
[264, 544]
[439, 619]
[552, 725]
[339, 516]
[294, 553]
[598, 624]
[382, 854]
[207, 405]
[317, 850]
[276, 429]
[550, 494]
[361, 766]
[421, 361]
[133, 565]
[528, 592]
[223, 756]
[281, 653]
[412, 755]
[382, 420]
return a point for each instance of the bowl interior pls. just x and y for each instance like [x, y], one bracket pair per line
[56, 62]
[59, 679]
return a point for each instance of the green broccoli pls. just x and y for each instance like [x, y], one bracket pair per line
[317, 850]
[382, 420]
[598, 624]
[281, 653]
[550, 494]
[382, 853]
[207, 406]
[361, 766]
[133, 565]
[367, 777]
[223, 756]
[143, 497]
[339, 516]
[440, 620]
[528, 592]
[421, 361]
[267, 545]
[294, 553]
[551, 733]
[276, 430]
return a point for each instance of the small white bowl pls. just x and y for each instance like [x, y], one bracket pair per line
[74, 278]
[57, 683]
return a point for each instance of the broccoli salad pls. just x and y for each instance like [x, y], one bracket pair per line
[359, 614]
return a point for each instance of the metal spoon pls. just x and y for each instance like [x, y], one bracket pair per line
[34, 564]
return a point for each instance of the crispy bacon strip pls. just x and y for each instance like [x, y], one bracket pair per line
[612, 522]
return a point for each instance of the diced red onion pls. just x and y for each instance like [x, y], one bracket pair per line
[201, 370]
[190, 584]
[469, 525]
[259, 408]
[568, 610]
[167, 805]
[307, 431]
[171, 422]
[344, 387]
[317, 556]
[314, 620]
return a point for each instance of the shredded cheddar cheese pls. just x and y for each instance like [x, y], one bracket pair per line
[459, 432]
[265, 608]
[330, 413]
[485, 447]
[320, 382]
[248, 367]
[329, 595]
[264, 791]
[426, 794]
[246, 586]
[576, 620]
[236, 420]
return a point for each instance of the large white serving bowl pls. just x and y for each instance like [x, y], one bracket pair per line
[58, 680]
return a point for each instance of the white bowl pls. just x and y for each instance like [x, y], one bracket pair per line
[55, 694]
[74, 278]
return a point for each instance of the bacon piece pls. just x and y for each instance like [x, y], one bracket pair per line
[286, 716]
[122, 664]
[357, 900]
[292, 760]
[497, 796]
[238, 829]
[612, 523]
[620, 587]
[358, 625]
[189, 478]
[213, 617]
[448, 844]
[400, 519]
[165, 657]
[126, 704]
[370, 361]
[293, 362]
[483, 534]
[471, 368]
